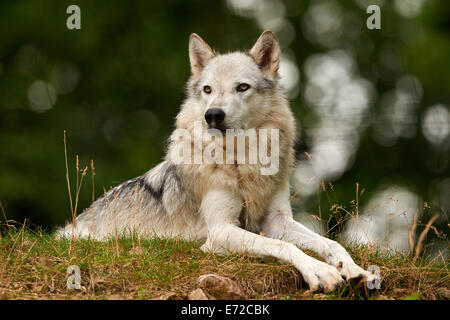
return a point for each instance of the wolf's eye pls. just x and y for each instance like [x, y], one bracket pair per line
[207, 89]
[243, 87]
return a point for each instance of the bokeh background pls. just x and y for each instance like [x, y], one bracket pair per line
[372, 105]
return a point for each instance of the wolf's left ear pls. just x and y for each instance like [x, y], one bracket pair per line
[199, 54]
[266, 52]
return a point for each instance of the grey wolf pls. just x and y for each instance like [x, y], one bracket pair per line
[227, 206]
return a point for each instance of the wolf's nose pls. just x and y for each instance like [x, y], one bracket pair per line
[215, 115]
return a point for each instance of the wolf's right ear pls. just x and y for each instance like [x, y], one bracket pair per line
[199, 54]
[266, 52]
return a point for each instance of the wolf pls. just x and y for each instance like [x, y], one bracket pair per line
[228, 206]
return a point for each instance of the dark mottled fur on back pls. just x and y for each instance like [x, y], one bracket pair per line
[139, 183]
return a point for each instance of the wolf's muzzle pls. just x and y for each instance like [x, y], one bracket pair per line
[215, 115]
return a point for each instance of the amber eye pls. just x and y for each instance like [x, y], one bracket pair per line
[207, 89]
[242, 87]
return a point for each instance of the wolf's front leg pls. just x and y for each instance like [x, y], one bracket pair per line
[220, 210]
[279, 224]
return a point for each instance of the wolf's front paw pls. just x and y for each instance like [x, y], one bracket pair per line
[340, 259]
[320, 275]
[350, 270]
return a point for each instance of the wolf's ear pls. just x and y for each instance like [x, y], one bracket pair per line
[266, 52]
[199, 54]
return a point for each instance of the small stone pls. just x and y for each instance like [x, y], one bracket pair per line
[220, 287]
[197, 294]
[167, 296]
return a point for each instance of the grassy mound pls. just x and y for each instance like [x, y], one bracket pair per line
[33, 265]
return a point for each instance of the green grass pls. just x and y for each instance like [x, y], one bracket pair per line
[33, 266]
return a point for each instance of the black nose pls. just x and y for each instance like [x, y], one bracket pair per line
[215, 115]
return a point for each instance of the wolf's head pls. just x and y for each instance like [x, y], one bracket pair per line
[234, 90]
